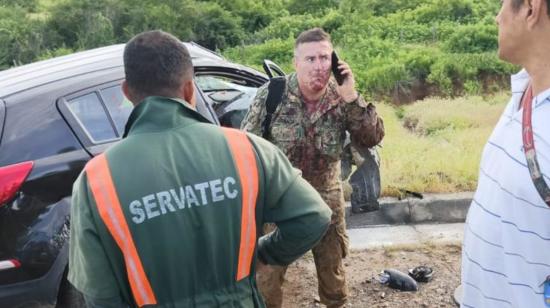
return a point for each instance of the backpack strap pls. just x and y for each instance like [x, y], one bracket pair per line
[275, 93]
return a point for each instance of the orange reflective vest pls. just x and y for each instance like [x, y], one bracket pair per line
[109, 208]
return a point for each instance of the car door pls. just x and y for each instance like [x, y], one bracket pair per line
[272, 69]
[98, 115]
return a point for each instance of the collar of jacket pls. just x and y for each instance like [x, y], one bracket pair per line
[157, 113]
[331, 99]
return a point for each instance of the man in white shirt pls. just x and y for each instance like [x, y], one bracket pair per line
[506, 253]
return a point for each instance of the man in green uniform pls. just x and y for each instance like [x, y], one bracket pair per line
[309, 125]
[168, 216]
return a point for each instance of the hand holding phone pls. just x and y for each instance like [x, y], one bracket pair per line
[335, 70]
[347, 91]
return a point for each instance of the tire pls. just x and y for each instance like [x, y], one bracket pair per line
[68, 296]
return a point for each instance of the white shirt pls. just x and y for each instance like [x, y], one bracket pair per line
[506, 252]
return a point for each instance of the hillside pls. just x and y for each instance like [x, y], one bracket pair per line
[401, 50]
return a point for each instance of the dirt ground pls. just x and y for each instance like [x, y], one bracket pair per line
[362, 269]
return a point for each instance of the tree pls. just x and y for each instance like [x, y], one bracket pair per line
[216, 28]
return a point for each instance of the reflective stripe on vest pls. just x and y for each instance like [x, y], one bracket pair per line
[108, 205]
[245, 160]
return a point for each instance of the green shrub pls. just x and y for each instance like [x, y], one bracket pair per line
[300, 7]
[436, 10]
[474, 38]
[277, 50]
[378, 7]
[418, 61]
[21, 42]
[83, 24]
[176, 17]
[215, 28]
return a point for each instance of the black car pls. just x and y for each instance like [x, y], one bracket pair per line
[54, 116]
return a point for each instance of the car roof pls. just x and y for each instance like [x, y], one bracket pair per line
[18, 79]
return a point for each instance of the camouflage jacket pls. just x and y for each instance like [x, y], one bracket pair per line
[314, 141]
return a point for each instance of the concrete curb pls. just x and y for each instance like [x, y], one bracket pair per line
[406, 236]
[434, 208]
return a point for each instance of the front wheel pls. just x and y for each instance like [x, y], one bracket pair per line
[68, 296]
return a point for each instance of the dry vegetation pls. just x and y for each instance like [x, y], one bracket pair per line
[435, 145]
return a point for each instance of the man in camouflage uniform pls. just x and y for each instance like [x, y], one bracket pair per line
[309, 125]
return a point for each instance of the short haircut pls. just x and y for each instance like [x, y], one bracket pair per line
[516, 4]
[156, 63]
[312, 35]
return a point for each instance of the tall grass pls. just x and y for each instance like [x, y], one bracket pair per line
[435, 145]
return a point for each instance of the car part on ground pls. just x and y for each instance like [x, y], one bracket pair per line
[398, 280]
[421, 273]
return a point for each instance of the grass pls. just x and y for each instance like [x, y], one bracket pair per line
[434, 146]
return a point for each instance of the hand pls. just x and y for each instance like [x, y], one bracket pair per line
[347, 89]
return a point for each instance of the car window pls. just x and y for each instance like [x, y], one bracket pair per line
[91, 114]
[225, 94]
[119, 107]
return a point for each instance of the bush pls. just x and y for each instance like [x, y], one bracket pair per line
[83, 24]
[277, 50]
[28, 5]
[215, 28]
[378, 7]
[20, 42]
[475, 38]
[437, 10]
[300, 7]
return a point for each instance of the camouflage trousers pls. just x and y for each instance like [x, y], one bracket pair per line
[327, 254]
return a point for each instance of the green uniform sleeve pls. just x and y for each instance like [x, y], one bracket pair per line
[252, 122]
[363, 123]
[89, 268]
[301, 215]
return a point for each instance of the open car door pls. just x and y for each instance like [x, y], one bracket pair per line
[272, 69]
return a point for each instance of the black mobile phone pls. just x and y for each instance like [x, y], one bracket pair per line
[335, 70]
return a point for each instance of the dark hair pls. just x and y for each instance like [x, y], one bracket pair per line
[516, 4]
[312, 35]
[156, 63]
